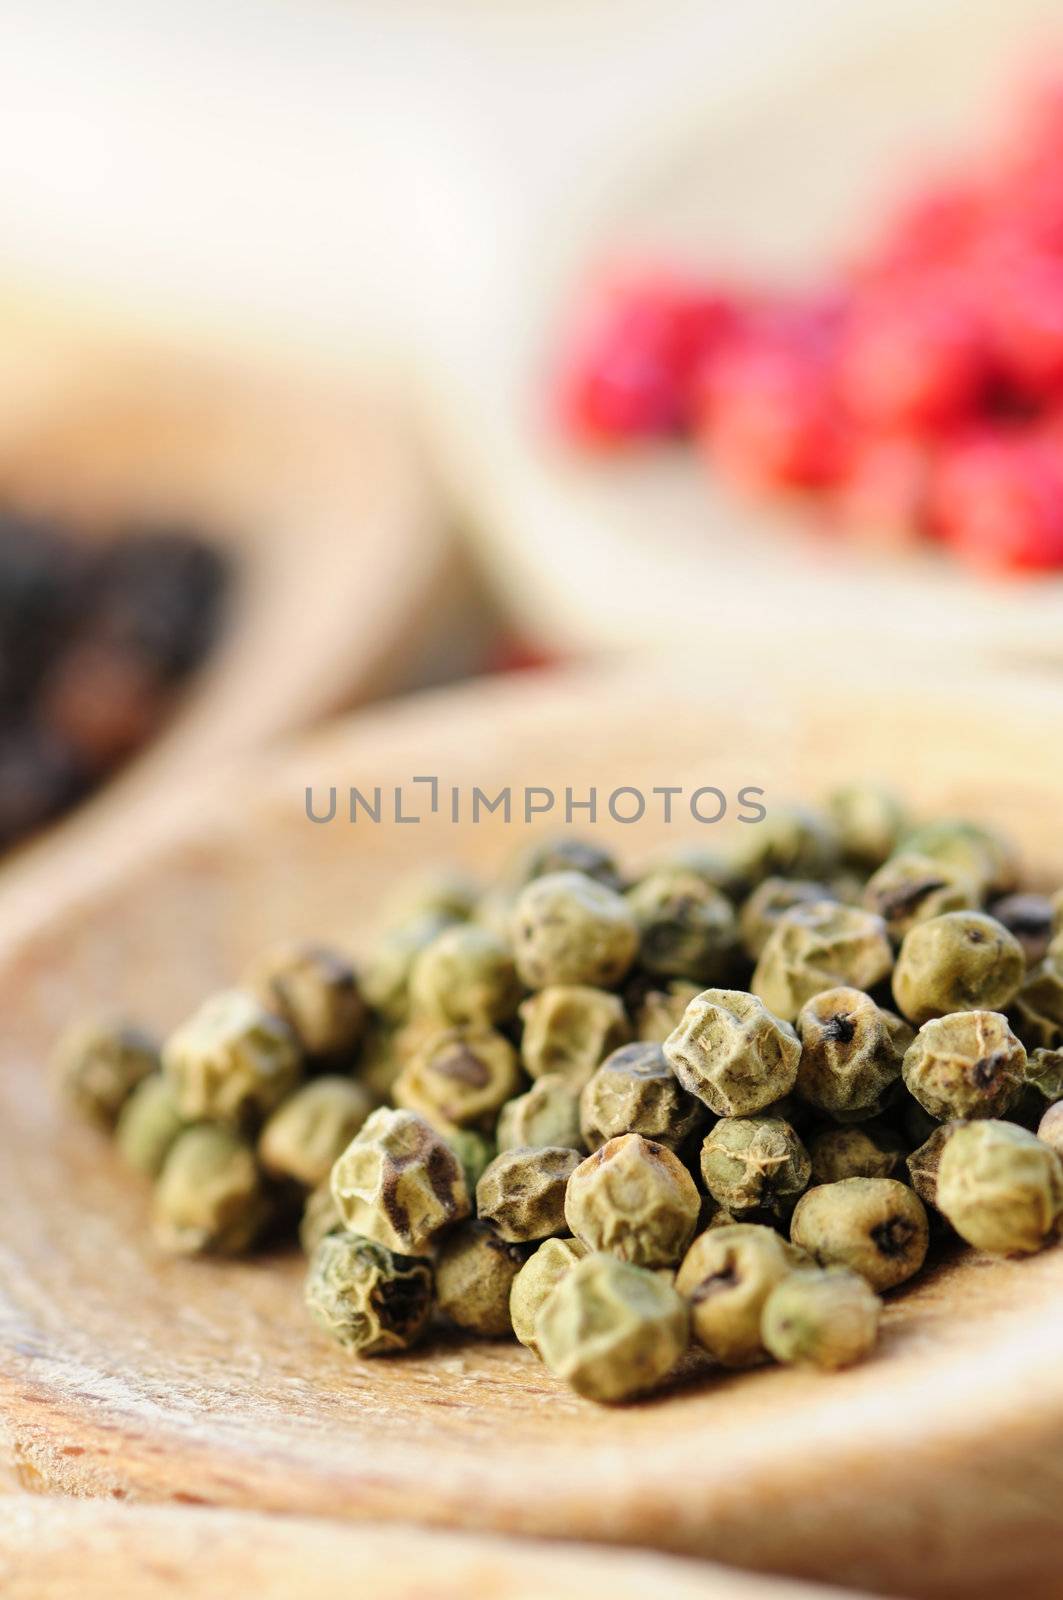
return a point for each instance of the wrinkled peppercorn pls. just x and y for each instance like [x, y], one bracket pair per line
[816, 947]
[876, 1226]
[962, 961]
[732, 1053]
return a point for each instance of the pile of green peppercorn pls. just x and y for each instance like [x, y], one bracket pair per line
[722, 1107]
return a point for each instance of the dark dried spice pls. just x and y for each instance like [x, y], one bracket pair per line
[93, 643]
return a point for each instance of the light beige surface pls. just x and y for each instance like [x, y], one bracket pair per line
[66, 1550]
[936, 1468]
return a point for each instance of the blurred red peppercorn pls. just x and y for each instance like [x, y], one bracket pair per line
[769, 415]
[634, 355]
[914, 399]
[998, 501]
[884, 496]
[913, 360]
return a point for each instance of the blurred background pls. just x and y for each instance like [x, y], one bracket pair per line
[351, 348]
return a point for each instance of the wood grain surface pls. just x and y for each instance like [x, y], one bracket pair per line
[68, 1550]
[935, 1469]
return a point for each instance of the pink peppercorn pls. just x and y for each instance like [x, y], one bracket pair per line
[998, 501]
[635, 355]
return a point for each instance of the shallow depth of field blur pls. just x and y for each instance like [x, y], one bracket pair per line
[818, 248]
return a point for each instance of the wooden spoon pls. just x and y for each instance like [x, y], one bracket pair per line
[343, 571]
[934, 1469]
[773, 182]
[56, 1550]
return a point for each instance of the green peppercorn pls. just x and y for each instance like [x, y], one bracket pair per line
[820, 946]
[444, 893]
[475, 1272]
[658, 1012]
[569, 1029]
[612, 1330]
[791, 842]
[635, 1091]
[570, 929]
[962, 961]
[459, 1077]
[967, 1065]
[385, 980]
[751, 1165]
[909, 889]
[312, 1128]
[567, 854]
[869, 821]
[848, 1057]
[979, 853]
[321, 1216]
[399, 1183]
[1042, 1087]
[522, 1193]
[732, 1053]
[466, 975]
[769, 902]
[1050, 1128]
[634, 1198]
[209, 1196]
[686, 927]
[868, 1151]
[367, 1298]
[876, 1226]
[547, 1114]
[1028, 917]
[97, 1064]
[536, 1281]
[475, 1152]
[1037, 1010]
[711, 866]
[1000, 1187]
[148, 1125]
[232, 1061]
[901, 1032]
[923, 1163]
[725, 1277]
[1044, 1075]
[1055, 900]
[316, 992]
[821, 1318]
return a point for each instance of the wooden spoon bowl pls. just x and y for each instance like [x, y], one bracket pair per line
[936, 1468]
[772, 183]
[340, 564]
